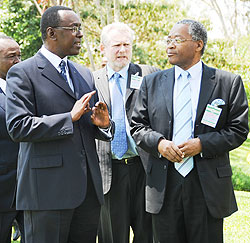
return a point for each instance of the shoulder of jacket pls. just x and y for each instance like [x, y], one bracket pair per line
[147, 69]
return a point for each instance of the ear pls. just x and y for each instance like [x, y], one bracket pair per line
[51, 33]
[200, 45]
[102, 49]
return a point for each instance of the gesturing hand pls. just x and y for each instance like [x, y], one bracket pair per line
[100, 115]
[81, 106]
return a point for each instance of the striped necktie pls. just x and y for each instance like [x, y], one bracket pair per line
[119, 144]
[183, 121]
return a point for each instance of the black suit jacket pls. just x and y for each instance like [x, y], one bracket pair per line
[54, 152]
[104, 148]
[8, 162]
[152, 119]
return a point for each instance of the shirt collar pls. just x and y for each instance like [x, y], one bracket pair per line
[53, 58]
[123, 72]
[194, 71]
[3, 85]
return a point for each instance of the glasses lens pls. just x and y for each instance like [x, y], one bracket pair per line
[168, 41]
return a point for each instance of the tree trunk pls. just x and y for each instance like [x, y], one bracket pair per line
[116, 10]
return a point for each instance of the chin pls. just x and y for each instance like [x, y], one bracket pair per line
[122, 64]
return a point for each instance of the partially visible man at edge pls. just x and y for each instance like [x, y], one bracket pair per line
[188, 118]
[10, 55]
[49, 100]
[122, 169]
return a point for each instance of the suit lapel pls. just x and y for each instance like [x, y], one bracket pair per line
[52, 74]
[80, 85]
[207, 86]
[167, 87]
[133, 69]
[102, 85]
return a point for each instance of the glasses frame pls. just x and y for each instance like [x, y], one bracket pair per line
[75, 29]
[176, 40]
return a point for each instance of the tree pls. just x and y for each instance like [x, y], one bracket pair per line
[20, 20]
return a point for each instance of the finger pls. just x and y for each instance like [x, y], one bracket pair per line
[87, 96]
[101, 105]
[178, 152]
[174, 155]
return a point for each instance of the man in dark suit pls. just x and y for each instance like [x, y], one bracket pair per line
[122, 172]
[188, 186]
[49, 99]
[10, 55]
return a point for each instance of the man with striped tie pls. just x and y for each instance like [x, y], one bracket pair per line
[188, 118]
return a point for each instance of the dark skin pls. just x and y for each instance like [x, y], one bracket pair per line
[10, 55]
[184, 55]
[64, 42]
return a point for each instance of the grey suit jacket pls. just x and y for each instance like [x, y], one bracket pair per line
[101, 82]
[152, 119]
[8, 162]
[54, 152]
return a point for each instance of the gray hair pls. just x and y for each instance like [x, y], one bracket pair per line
[5, 37]
[196, 30]
[119, 26]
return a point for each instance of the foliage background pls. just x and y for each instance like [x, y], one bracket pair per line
[151, 22]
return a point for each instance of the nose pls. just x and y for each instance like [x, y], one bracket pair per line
[17, 59]
[171, 45]
[122, 48]
[79, 33]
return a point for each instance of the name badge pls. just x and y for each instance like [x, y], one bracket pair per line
[211, 115]
[135, 82]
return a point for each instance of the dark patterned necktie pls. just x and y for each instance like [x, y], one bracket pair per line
[62, 66]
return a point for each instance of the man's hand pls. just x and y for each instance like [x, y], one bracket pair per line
[170, 151]
[191, 147]
[100, 115]
[81, 106]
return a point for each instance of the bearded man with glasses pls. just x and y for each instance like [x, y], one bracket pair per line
[52, 109]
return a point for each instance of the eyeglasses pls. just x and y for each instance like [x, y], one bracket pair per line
[75, 29]
[176, 40]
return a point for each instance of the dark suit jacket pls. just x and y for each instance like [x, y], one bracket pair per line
[153, 119]
[101, 82]
[54, 152]
[8, 162]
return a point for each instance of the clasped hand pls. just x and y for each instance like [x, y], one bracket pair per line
[174, 153]
[100, 115]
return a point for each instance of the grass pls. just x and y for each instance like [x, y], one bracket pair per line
[240, 161]
[237, 226]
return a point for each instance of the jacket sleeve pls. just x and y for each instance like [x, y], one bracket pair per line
[22, 123]
[144, 136]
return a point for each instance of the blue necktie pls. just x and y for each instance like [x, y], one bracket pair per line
[183, 121]
[62, 66]
[119, 145]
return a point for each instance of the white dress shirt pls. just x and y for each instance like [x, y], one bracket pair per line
[55, 61]
[195, 83]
